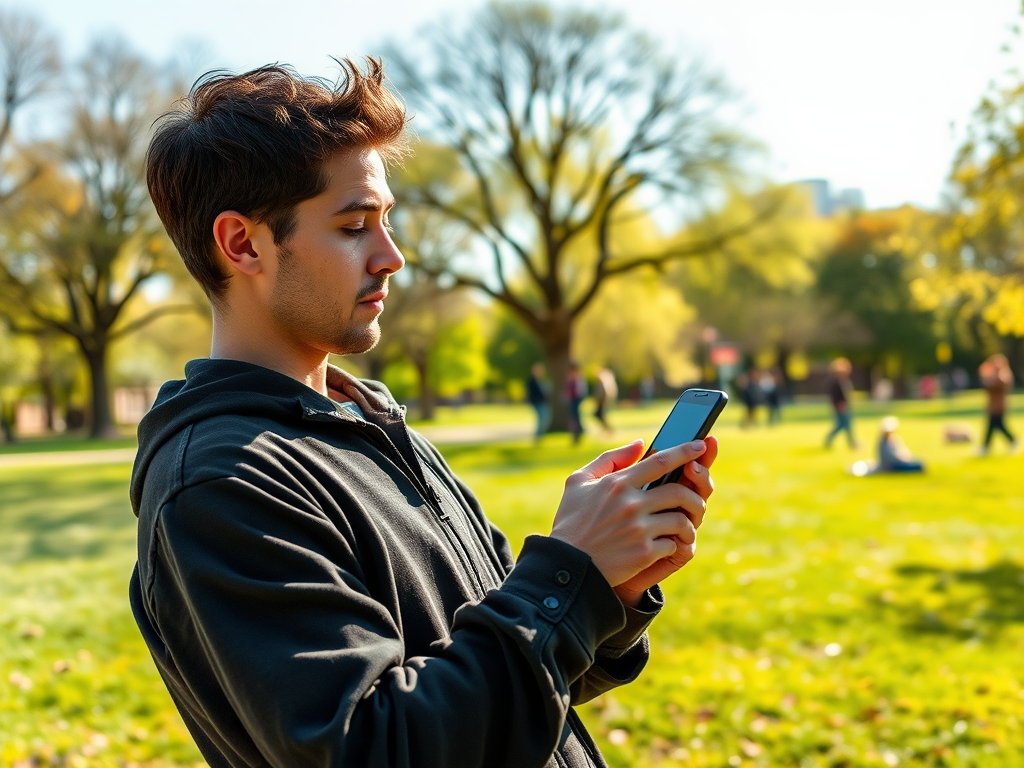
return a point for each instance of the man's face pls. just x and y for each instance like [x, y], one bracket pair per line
[332, 272]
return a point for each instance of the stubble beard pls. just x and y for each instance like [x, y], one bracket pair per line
[297, 306]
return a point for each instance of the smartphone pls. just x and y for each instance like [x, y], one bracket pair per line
[691, 419]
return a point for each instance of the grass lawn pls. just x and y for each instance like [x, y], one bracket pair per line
[827, 620]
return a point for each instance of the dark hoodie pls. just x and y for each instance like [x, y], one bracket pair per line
[318, 590]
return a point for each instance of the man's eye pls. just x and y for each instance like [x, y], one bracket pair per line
[353, 231]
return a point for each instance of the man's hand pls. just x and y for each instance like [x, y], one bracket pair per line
[637, 538]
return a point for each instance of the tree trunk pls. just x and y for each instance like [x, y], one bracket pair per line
[375, 366]
[49, 400]
[556, 339]
[782, 355]
[102, 422]
[7, 432]
[426, 395]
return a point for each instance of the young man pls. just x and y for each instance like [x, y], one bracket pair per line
[316, 587]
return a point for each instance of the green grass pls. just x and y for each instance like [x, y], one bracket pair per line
[826, 621]
[64, 443]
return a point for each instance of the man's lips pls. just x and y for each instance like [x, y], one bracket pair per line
[375, 301]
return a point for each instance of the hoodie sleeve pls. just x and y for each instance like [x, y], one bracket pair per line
[621, 657]
[261, 604]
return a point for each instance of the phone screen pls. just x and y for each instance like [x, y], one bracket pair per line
[681, 426]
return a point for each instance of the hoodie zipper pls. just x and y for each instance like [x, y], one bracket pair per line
[431, 498]
[449, 525]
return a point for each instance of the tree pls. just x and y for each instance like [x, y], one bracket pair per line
[29, 64]
[759, 292]
[868, 276]
[552, 128]
[978, 246]
[82, 238]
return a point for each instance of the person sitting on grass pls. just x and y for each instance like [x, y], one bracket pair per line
[893, 454]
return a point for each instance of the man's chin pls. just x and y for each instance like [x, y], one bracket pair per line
[356, 344]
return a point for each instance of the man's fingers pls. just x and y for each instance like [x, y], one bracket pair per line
[614, 460]
[698, 477]
[675, 496]
[663, 462]
[711, 453]
[661, 548]
[674, 524]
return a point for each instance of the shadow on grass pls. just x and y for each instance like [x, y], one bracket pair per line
[65, 513]
[961, 603]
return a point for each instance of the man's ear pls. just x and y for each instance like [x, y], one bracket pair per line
[236, 235]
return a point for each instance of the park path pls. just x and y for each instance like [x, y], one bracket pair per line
[444, 434]
[66, 458]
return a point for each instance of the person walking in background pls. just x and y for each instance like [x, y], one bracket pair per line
[748, 385]
[537, 397]
[997, 379]
[575, 393]
[840, 391]
[606, 390]
[771, 392]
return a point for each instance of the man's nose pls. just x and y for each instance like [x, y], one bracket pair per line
[388, 258]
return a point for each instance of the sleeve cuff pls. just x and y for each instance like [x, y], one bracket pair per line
[567, 587]
[638, 619]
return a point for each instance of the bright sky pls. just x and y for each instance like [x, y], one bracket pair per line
[871, 94]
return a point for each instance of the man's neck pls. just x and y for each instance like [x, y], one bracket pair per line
[265, 350]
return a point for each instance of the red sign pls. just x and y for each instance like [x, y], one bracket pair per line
[724, 354]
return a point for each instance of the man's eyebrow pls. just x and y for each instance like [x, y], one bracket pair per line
[368, 204]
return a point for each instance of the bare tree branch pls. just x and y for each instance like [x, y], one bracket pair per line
[149, 317]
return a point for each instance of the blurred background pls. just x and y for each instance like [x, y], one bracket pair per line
[674, 191]
[623, 199]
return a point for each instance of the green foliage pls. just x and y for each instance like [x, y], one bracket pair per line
[511, 349]
[638, 325]
[827, 620]
[758, 292]
[868, 278]
[980, 243]
[400, 377]
[457, 360]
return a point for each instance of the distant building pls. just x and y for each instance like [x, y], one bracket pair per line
[826, 203]
[848, 200]
[818, 191]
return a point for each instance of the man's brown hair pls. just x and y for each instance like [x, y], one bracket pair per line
[257, 143]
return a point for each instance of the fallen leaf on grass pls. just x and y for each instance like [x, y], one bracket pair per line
[20, 681]
[750, 748]
[618, 736]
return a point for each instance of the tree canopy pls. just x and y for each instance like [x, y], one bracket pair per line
[552, 128]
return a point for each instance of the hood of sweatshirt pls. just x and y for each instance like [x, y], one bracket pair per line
[232, 387]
